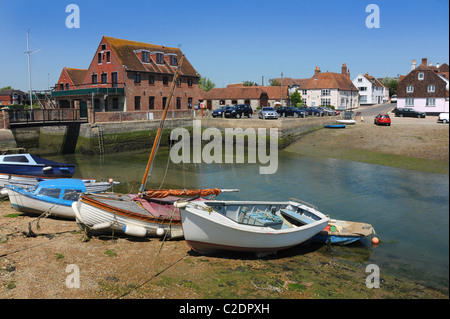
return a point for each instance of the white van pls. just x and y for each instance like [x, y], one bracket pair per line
[443, 117]
[394, 98]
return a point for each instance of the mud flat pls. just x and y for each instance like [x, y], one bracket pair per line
[407, 143]
[109, 268]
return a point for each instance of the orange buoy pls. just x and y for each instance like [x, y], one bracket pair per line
[375, 240]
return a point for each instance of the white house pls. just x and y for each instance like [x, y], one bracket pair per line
[371, 90]
[330, 88]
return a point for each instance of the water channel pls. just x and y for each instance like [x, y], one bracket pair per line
[408, 209]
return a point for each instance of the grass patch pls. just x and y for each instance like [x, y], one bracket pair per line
[13, 215]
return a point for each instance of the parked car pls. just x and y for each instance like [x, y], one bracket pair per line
[382, 119]
[394, 98]
[443, 117]
[219, 111]
[312, 111]
[408, 112]
[239, 111]
[326, 110]
[268, 113]
[291, 111]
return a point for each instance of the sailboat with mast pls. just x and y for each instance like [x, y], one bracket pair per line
[149, 213]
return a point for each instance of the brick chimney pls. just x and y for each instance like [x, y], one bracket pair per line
[413, 65]
[424, 61]
[344, 70]
[316, 72]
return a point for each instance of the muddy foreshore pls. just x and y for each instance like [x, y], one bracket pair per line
[41, 263]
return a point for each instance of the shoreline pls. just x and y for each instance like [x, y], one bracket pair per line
[36, 267]
[421, 147]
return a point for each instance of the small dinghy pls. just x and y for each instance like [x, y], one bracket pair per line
[348, 122]
[335, 125]
[258, 227]
[53, 196]
[341, 232]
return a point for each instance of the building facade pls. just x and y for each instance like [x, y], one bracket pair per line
[330, 89]
[126, 76]
[425, 88]
[371, 90]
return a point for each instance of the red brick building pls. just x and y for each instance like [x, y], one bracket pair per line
[128, 76]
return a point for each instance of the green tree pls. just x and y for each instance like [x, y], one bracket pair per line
[274, 82]
[296, 99]
[206, 84]
[248, 83]
[6, 88]
[391, 83]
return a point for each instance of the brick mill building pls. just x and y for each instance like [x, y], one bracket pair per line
[127, 76]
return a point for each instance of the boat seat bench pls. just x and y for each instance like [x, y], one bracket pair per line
[302, 219]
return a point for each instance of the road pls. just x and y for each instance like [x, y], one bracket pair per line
[372, 110]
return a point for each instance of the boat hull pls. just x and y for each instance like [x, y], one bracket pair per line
[92, 213]
[208, 232]
[29, 204]
[341, 232]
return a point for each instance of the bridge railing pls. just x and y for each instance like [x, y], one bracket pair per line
[39, 116]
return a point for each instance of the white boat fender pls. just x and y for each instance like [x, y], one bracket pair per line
[4, 192]
[133, 230]
[180, 204]
[100, 226]
[47, 168]
[160, 231]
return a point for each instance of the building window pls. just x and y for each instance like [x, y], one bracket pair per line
[67, 86]
[410, 89]
[151, 102]
[104, 78]
[431, 102]
[178, 103]
[304, 92]
[326, 92]
[159, 58]
[164, 101]
[114, 79]
[409, 102]
[108, 56]
[189, 103]
[363, 99]
[145, 56]
[431, 88]
[189, 82]
[304, 101]
[325, 102]
[165, 80]
[362, 88]
[173, 60]
[99, 58]
[151, 79]
[61, 87]
[178, 82]
[115, 103]
[94, 78]
[421, 75]
[359, 79]
[222, 102]
[137, 102]
[137, 78]
[103, 47]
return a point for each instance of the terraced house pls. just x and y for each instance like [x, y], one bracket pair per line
[425, 88]
[128, 76]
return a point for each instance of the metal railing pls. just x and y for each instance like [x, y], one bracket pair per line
[43, 117]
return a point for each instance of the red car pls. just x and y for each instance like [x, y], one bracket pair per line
[382, 119]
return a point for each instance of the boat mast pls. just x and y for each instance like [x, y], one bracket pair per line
[29, 53]
[158, 134]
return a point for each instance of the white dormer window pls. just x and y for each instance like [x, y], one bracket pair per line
[431, 88]
[421, 75]
[359, 79]
[410, 89]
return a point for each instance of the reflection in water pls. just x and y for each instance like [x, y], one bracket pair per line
[408, 209]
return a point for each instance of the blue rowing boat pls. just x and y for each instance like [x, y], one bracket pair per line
[335, 125]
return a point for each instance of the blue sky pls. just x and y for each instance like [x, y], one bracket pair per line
[228, 41]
